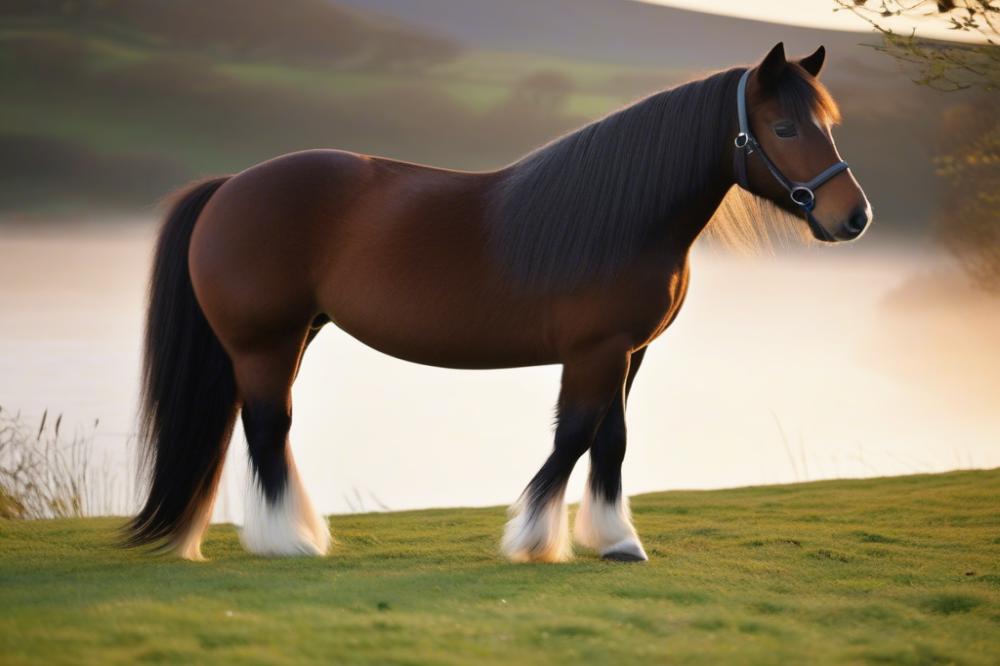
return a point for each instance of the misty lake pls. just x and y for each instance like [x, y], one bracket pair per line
[803, 364]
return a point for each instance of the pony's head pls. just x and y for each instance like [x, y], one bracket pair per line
[785, 153]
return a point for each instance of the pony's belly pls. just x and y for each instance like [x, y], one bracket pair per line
[452, 324]
[461, 348]
[433, 299]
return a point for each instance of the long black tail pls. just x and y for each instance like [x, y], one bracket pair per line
[188, 392]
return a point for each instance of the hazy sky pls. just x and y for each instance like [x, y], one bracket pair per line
[811, 13]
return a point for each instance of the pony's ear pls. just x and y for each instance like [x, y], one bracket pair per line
[814, 63]
[772, 65]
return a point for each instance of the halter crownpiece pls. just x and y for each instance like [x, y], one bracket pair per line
[803, 195]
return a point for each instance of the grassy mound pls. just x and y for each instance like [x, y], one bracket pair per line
[900, 570]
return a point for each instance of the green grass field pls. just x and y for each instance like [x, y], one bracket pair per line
[119, 95]
[889, 571]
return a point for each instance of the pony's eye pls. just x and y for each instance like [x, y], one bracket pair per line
[785, 129]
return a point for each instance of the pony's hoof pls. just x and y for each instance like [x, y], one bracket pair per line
[625, 551]
[623, 557]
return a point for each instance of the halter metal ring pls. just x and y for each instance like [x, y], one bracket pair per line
[803, 196]
[742, 139]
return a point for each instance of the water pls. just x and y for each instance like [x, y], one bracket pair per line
[829, 362]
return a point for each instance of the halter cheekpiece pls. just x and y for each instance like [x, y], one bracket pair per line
[803, 195]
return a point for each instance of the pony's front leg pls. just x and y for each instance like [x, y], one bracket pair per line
[604, 521]
[538, 529]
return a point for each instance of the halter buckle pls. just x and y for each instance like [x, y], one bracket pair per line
[742, 139]
[803, 197]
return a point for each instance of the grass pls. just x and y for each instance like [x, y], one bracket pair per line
[889, 571]
[46, 473]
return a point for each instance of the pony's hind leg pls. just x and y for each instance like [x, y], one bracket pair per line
[603, 521]
[188, 544]
[538, 529]
[280, 518]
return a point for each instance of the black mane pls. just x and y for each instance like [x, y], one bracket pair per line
[580, 207]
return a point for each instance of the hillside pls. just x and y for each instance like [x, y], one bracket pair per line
[305, 31]
[891, 571]
[107, 106]
[111, 105]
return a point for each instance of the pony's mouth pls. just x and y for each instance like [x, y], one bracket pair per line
[846, 236]
[819, 232]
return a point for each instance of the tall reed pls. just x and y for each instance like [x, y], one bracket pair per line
[45, 473]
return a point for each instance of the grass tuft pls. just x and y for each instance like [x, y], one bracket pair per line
[949, 604]
[824, 554]
[47, 473]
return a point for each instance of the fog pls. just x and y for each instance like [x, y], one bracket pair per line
[809, 362]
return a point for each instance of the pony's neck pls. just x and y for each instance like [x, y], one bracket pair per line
[586, 205]
[704, 188]
[691, 213]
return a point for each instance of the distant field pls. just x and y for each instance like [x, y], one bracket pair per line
[889, 571]
[104, 113]
[478, 79]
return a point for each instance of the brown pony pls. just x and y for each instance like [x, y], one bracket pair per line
[577, 254]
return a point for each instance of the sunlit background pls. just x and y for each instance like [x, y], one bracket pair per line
[801, 363]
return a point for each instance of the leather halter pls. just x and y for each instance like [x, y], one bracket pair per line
[802, 194]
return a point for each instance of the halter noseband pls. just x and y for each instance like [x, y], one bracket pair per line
[802, 194]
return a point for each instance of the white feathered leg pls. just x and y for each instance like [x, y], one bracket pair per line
[289, 526]
[606, 526]
[538, 535]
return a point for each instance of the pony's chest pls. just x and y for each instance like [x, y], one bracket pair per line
[655, 302]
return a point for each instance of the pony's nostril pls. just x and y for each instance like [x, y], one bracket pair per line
[858, 221]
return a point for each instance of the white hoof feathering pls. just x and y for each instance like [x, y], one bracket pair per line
[607, 527]
[537, 536]
[289, 526]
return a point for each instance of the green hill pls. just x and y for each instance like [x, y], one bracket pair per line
[303, 31]
[889, 571]
[109, 105]
[112, 104]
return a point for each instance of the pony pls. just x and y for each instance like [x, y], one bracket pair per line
[576, 254]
